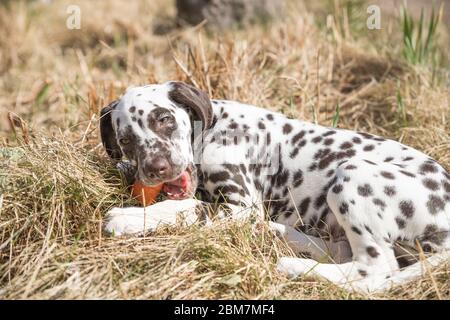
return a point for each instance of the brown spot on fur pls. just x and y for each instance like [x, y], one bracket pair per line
[390, 191]
[363, 273]
[298, 136]
[346, 145]
[380, 203]
[356, 140]
[446, 186]
[365, 190]
[219, 176]
[427, 167]
[372, 252]
[401, 223]
[431, 184]
[407, 173]
[287, 128]
[387, 175]
[298, 178]
[294, 153]
[433, 234]
[370, 162]
[356, 230]
[304, 205]
[337, 188]
[435, 204]
[328, 133]
[343, 208]
[407, 208]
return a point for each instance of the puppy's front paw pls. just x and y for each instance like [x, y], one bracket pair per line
[122, 221]
[293, 267]
[135, 220]
[278, 229]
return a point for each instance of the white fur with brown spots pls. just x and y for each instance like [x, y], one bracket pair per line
[357, 200]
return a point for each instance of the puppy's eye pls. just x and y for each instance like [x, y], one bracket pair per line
[124, 141]
[165, 119]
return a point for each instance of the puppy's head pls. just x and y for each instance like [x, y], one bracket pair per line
[152, 126]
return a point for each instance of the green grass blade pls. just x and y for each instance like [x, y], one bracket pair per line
[335, 120]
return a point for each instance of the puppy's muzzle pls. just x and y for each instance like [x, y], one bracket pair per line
[158, 169]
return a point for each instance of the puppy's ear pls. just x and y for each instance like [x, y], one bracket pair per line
[193, 99]
[107, 132]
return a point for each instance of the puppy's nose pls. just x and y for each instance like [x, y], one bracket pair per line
[158, 168]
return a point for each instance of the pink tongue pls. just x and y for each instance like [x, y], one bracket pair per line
[182, 181]
[179, 186]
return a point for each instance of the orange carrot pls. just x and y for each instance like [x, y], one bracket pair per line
[145, 194]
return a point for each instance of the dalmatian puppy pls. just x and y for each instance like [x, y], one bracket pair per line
[358, 205]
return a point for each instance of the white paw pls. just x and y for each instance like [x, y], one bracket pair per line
[135, 220]
[277, 228]
[293, 267]
[121, 221]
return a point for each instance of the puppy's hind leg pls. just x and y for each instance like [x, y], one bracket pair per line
[317, 248]
[373, 256]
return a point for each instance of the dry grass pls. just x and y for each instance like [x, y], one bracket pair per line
[56, 182]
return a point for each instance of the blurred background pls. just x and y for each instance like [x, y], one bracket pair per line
[60, 61]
